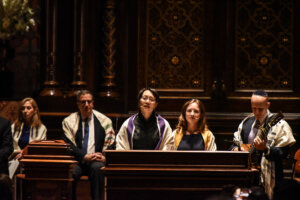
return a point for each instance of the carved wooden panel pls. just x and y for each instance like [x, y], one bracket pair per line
[174, 54]
[264, 45]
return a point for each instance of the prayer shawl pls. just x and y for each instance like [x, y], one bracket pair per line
[207, 135]
[280, 135]
[35, 134]
[125, 135]
[71, 123]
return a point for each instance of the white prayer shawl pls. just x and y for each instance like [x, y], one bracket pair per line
[71, 123]
[280, 135]
[166, 141]
[35, 134]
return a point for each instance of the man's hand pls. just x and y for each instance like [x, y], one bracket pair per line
[100, 157]
[237, 149]
[94, 157]
[259, 144]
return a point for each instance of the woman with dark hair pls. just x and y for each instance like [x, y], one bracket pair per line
[27, 127]
[192, 132]
[146, 130]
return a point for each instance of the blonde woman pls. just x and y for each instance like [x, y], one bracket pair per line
[192, 132]
[27, 127]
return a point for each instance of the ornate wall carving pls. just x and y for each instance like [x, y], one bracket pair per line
[264, 45]
[174, 45]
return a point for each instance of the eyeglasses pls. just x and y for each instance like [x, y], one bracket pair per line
[83, 102]
[145, 98]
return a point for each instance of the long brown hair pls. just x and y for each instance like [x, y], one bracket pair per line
[182, 122]
[35, 121]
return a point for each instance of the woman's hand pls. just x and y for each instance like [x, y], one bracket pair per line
[19, 154]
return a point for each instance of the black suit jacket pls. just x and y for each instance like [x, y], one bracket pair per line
[6, 144]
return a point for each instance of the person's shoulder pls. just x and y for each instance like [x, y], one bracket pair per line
[4, 123]
[131, 118]
[71, 117]
[163, 121]
[42, 126]
[174, 131]
[248, 119]
[161, 117]
[101, 116]
[208, 131]
[282, 122]
[4, 120]
[250, 116]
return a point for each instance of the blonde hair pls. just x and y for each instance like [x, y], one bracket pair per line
[182, 122]
[35, 120]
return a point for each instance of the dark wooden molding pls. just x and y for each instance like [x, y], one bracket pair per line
[108, 86]
[78, 82]
[51, 84]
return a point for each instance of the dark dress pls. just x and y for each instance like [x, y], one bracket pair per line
[191, 142]
[146, 133]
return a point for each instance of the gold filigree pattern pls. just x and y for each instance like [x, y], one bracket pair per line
[175, 44]
[264, 44]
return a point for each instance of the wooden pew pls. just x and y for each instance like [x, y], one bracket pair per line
[174, 174]
[47, 171]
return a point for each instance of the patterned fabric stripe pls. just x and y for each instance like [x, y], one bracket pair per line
[105, 122]
[109, 139]
[162, 125]
[130, 129]
[107, 125]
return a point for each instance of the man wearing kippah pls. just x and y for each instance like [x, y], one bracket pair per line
[273, 149]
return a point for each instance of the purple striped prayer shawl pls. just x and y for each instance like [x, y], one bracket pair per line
[161, 128]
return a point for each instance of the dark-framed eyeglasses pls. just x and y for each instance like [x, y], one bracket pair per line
[83, 102]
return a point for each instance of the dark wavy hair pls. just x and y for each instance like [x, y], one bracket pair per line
[153, 91]
[182, 122]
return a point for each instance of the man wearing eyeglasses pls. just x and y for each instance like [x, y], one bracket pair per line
[89, 132]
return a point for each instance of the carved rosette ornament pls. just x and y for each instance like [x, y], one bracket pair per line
[108, 85]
